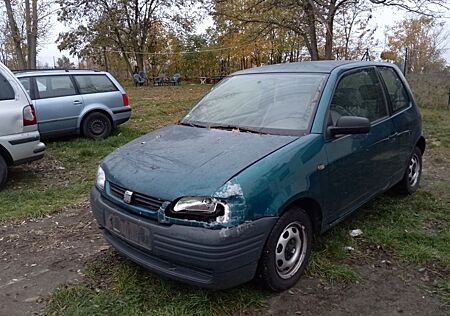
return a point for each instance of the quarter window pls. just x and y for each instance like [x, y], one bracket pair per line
[94, 84]
[6, 90]
[26, 84]
[54, 86]
[359, 94]
[397, 92]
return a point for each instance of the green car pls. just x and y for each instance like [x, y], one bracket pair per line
[266, 160]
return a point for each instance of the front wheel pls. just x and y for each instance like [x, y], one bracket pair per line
[96, 126]
[287, 251]
[411, 179]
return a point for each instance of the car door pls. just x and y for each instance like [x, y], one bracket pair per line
[358, 165]
[404, 117]
[58, 105]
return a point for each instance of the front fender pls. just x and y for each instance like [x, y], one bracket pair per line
[272, 183]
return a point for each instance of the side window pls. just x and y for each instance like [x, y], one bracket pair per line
[94, 84]
[6, 90]
[397, 92]
[26, 84]
[359, 94]
[54, 86]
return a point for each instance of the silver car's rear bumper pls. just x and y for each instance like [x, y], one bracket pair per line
[23, 147]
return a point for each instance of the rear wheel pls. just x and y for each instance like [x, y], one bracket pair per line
[411, 179]
[3, 172]
[287, 251]
[96, 126]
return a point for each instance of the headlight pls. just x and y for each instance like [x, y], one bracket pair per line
[205, 208]
[100, 179]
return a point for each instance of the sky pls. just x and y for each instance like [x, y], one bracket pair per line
[383, 17]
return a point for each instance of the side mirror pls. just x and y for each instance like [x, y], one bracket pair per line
[350, 125]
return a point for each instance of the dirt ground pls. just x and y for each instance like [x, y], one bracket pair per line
[385, 289]
[38, 255]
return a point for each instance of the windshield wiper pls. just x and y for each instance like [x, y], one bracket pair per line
[237, 128]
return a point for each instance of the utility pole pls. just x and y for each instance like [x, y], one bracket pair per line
[106, 59]
[406, 61]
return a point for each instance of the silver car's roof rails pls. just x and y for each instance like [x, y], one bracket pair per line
[51, 69]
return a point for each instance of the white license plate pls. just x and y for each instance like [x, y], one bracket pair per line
[131, 232]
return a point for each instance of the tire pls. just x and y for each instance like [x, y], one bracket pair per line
[3, 172]
[96, 126]
[411, 179]
[292, 232]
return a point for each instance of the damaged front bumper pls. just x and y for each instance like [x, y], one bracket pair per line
[210, 258]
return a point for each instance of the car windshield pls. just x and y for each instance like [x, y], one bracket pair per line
[263, 103]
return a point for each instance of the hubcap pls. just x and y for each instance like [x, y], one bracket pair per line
[97, 127]
[414, 170]
[291, 250]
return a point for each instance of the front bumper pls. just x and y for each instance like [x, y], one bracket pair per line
[215, 259]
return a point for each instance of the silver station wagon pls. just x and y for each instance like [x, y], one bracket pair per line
[85, 102]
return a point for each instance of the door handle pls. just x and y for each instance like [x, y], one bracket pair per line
[77, 102]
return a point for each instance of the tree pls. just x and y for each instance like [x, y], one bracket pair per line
[34, 15]
[423, 38]
[353, 34]
[15, 35]
[129, 27]
[313, 20]
[64, 63]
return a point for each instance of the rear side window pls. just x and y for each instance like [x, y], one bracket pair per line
[54, 86]
[94, 84]
[359, 94]
[26, 84]
[396, 90]
[6, 90]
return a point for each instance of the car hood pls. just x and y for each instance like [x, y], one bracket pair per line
[179, 160]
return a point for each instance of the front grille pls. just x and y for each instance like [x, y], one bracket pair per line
[137, 199]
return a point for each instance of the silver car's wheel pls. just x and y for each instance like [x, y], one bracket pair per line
[3, 172]
[291, 250]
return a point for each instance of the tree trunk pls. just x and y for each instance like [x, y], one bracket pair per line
[311, 35]
[140, 60]
[32, 39]
[329, 30]
[329, 39]
[28, 29]
[15, 35]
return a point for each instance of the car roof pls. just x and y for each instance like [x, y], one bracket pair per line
[325, 66]
[49, 72]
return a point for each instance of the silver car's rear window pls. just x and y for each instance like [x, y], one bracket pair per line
[6, 90]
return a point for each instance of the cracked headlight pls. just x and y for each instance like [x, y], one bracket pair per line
[199, 208]
[100, 179]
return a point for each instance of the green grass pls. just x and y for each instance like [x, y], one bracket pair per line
[130, 290]
[413, 229]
